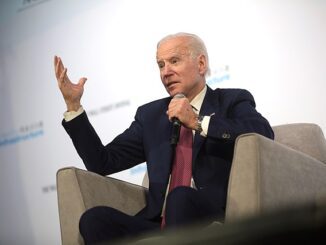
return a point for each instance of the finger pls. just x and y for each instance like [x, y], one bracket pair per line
[171, 114]
[173, 106]
[55, 60]
[59, 67]
[82, 81]
[56, 67]
[62, 75]
[170, 118]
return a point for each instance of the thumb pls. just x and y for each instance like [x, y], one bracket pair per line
[82, 81]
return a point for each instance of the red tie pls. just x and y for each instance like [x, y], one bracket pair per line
[182, 165]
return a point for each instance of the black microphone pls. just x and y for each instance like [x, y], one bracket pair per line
[176, 124]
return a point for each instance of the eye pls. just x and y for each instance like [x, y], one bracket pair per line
[174, 61]
[160, 64]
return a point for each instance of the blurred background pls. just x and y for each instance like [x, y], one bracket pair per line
[273, 48]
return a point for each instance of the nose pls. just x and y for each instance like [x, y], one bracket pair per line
[166, 71]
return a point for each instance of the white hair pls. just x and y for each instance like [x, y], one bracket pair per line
[196, 46]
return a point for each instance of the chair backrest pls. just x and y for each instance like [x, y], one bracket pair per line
[305, 137]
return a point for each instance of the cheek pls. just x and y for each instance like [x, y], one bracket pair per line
[161, 76]
[188, 75]
[184, 73]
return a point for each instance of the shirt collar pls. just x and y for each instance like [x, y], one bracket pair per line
[198, 100]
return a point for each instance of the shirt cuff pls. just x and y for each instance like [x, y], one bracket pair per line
[204, 125]
[69, 115]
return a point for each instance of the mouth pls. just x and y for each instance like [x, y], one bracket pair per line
[171, 84]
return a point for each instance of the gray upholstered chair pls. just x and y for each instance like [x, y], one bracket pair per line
[266, 175]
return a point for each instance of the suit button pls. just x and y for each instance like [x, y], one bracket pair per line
[226, 136]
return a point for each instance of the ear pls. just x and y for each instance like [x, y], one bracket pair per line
[202, 64]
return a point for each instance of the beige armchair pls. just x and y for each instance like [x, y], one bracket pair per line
[266, 175]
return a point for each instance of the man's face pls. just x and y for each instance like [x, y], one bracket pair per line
[179, 71]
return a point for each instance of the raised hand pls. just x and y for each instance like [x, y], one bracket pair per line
[71, 92]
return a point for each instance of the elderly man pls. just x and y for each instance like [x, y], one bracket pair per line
[188, 179]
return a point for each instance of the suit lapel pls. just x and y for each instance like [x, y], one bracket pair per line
[165, 150]
[209, 107]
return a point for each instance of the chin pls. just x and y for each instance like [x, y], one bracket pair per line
[173, 92]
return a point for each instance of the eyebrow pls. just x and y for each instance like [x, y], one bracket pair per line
[178, 56]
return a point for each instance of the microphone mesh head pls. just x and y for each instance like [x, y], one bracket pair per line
[179, 96]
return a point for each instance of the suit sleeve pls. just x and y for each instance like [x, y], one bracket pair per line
[125, 151]
[239, 117]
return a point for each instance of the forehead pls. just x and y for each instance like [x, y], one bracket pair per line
[172, 47]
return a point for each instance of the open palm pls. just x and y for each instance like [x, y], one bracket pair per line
[71, 92]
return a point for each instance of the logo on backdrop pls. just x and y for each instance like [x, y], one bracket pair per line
[49, 188]
[218, 75]
[23, 133]
[108, 108]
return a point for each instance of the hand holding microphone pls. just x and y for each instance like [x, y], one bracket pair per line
[180, 112]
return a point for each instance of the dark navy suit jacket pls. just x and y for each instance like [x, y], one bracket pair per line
[148, 140]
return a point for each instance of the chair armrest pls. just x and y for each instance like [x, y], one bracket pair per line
[79, 190]
[266, 176]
